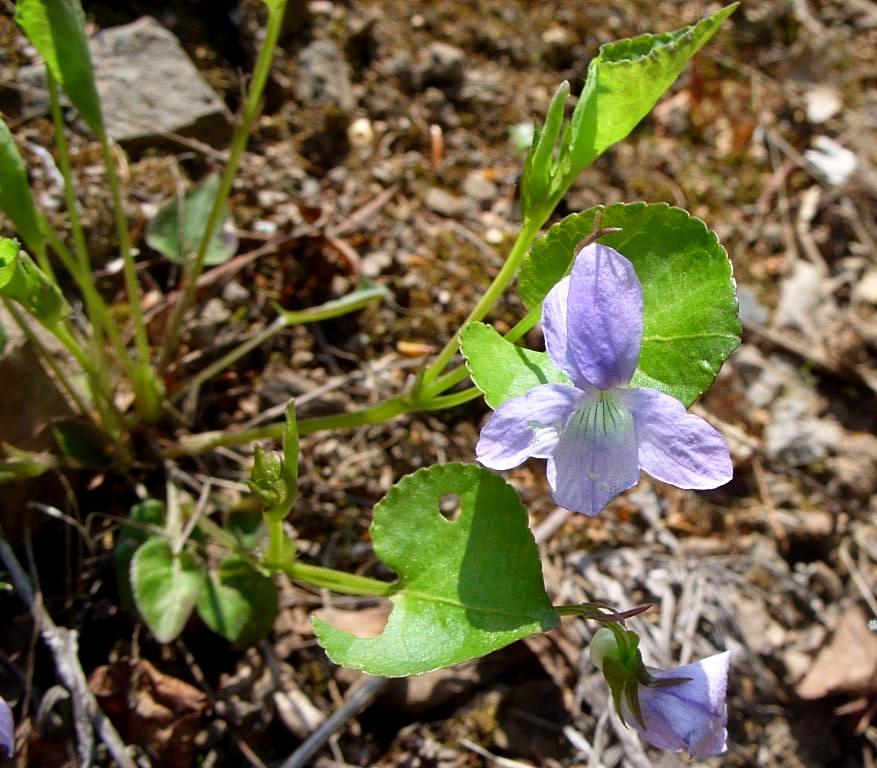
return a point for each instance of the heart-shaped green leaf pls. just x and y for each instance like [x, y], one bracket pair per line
[689, 295]
[238, 602]
[16, 200]
[177, 228]
[502, 370]
[57, 30]
[166, 587]
[467, 586]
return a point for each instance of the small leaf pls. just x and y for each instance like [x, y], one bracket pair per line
[149, 512]
[19, 464]
[16, 200]
[247, 525]
[502, 370]
[166, 587]
[23, 281]
[625, 81]
[57, 30]
[466, 586]
[689, 295]
[238, 602]
[83, 442]
[177, 229]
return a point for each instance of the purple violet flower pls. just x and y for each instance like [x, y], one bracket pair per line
[7, 730]
[691, 715]
[599, 432]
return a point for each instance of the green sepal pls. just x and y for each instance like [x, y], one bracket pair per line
[274, 477]
[540, 165]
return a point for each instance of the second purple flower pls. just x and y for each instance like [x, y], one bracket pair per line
[598, 433]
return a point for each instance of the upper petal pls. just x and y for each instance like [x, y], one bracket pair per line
[554, 329]
[604, 317]
[675, 446]
[596, 457]
[526, 426]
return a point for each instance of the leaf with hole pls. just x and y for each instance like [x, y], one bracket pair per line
[176, 230]
[166, 587]
[690, 321]
[466, 586]
[502, 370]
[56, 28]
[238, 602]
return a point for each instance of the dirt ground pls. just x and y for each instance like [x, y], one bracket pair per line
[410, 179]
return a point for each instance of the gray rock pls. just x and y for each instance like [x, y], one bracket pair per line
[855, 470]
[443, 65]
[477, 186]
[235, 295]
[796, 436]
[149, 87]
[324, 77]
[445, 203]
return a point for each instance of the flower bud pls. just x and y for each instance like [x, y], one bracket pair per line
[267, 481]
[604, 643]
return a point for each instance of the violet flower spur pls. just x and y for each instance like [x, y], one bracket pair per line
[598, 432]
[691, 715]
[675, 709]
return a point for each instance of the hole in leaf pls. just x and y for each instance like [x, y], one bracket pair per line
[449, 506]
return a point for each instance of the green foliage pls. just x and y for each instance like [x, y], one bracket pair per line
[274, 479]
[16, 200]
[143, 515]
[166, 586]
[23, 281]
[18, 464]
[466, 586]
[83, 442]
[624, 81]
[363, 295]
[177, 228]
[502, 370]
[57, 30]
[689, 294]
[238, 602]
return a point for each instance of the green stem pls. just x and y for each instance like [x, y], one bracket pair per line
[231, 357]
[66, 167]
[206, 441]
[239, 143]
[276, 540]
[338, 581]
[528, 233]
[132, 287]
[89, 293]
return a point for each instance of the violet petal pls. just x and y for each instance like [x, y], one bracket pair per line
[526, 426]
[596, 457]
[692, 715]
[604, 318]
[7, 729]
[675, 446]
